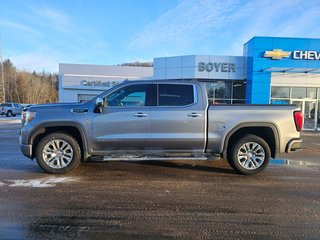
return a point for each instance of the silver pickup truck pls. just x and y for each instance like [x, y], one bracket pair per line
[158, 120]
[10, 109]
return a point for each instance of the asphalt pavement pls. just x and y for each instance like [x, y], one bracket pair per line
[159, 200]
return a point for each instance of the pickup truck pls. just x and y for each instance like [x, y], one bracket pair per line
[158, 120]
[10, 109]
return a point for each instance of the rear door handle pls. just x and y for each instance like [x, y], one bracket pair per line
[194, 115]
[140, 114]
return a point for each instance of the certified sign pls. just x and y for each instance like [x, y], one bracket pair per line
[98, 83]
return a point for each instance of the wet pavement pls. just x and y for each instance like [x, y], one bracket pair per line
[159, 200]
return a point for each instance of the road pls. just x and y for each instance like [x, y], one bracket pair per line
[158, 200]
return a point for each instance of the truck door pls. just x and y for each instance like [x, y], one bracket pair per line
[124, 123]
[178, 120]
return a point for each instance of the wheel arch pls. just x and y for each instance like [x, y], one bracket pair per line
[73, 129]
[266, 131]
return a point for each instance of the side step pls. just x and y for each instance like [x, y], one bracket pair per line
[154, 158]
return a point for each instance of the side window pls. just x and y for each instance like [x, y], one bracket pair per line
[175, 95]
[132, 96]
[16, 105]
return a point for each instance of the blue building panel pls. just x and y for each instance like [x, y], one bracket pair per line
[283, 54]
[260, 98]
[290, 43]
[313, 64]
[314, 44]
[260, 42]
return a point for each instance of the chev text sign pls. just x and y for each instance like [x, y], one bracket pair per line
[306, 55]
[277, 54]
[216, 67]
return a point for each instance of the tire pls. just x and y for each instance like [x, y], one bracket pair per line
[9, 114]
[249, 155]
[58, 153]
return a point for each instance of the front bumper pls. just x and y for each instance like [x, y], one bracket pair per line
[294, 145]
[26, 150]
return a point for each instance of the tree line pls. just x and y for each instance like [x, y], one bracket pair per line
[26, 87]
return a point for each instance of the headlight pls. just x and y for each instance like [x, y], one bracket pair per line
[27, 117]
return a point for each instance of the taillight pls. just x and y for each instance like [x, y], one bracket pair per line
[298, 120]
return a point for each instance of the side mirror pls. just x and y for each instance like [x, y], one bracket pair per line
[99, 102]
[99, 105]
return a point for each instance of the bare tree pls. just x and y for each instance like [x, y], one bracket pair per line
[26, 87]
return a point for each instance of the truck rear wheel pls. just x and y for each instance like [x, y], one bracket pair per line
[249, 155]
[58, 153]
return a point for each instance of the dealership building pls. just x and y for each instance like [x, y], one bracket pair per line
[272, 70]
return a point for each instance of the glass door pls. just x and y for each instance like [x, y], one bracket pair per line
[308, 108]
[309, 112]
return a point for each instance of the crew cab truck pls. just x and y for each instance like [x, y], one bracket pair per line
[10, 109]
[158, 120]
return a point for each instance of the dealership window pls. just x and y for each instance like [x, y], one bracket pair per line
[312, 93]
[299, 93]
[280, 95]
[227, 92]
[280, 92]
[303, 97]
[238, 92]
[85, 97]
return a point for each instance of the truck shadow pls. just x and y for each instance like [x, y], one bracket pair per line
[209, 167]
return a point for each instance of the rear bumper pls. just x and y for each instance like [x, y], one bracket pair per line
[294, 145]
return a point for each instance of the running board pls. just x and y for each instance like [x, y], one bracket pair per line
[153, 158]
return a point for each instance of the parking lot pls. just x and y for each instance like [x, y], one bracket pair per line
[159, 200]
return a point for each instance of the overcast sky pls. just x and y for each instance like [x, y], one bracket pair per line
[40, 34]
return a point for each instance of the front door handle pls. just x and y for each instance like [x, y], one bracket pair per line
[194, 115]
[140, 114]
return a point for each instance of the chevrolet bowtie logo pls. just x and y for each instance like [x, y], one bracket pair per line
[276, 54]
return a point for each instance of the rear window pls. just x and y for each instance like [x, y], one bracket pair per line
[175, 95]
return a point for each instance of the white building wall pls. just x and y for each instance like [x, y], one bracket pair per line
[295, 79]
[76, 79]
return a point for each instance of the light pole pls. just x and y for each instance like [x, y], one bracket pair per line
[2, 73]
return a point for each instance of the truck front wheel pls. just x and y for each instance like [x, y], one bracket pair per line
[249, 155]
[58, 153]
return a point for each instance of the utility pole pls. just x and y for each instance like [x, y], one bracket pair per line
[2, 73]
